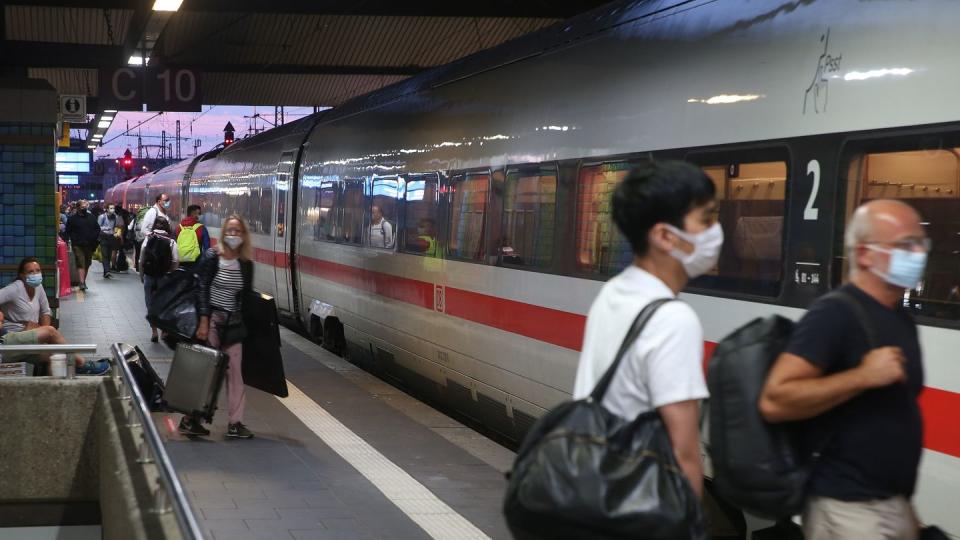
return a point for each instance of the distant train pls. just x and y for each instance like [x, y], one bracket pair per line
[494, 174]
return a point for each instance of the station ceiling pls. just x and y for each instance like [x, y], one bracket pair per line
[263, 52]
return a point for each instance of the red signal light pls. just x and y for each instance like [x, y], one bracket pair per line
[127, 161]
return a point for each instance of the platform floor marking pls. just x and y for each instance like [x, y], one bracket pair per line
[416, 501]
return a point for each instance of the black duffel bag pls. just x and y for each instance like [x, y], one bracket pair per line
[173, 307]
[585, 473]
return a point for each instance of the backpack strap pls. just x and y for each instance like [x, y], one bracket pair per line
[632, 334]
[852, 302]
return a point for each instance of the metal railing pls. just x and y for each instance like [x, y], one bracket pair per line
[169, 496]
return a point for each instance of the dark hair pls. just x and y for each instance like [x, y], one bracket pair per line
[23, 264]
[658, 192]
[193, 208]
[160, 196]
[163, 224]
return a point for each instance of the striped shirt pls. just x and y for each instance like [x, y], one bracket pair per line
[226, 285]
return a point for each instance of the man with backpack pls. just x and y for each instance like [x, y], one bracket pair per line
[192, 237]
[158, 257]
[855, 384]
[667, 212]
[159, 209]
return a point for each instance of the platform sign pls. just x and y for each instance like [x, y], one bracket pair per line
[162, 88]
[73, 108]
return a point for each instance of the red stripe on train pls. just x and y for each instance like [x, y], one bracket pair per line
[565, 329]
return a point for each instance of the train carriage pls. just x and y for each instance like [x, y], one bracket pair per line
[495, 174]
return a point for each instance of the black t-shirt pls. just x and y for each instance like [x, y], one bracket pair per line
[877, 437]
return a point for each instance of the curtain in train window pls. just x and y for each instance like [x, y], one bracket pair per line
[751, 204]
[421, 215]
[352, 217]
[929, 181]
[529, 216]
[382, 230]
[467, 215]
[601, 249]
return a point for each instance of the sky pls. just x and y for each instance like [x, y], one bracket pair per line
[206, 126]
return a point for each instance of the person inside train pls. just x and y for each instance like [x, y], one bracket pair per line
[192, 237]
[158, 257]
[381, 231]
[224, 274]
[159, 209]
[84, 234]
[853, 390]
[25, 318]
[425, 241]
[667, 211]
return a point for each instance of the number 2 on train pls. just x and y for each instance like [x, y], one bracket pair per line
[811, 213]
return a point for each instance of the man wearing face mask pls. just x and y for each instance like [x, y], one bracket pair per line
[860, 400]
[84, 234]
[667, 212]
[159, 208]
[108, 222]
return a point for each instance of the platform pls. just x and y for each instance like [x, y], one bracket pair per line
[345, 456]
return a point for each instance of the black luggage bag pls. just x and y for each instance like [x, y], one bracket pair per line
[148, 381]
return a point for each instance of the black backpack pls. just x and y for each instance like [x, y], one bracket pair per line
[157, 257]
[758, 466]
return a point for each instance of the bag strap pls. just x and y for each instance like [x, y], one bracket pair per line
[866, 322]
[632, 334]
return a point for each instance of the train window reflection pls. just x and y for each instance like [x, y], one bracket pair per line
[382, 231]
[420, 215]
[529, 216]
[468, 215]
[351, 225]
[751, 202]
[929, 181]
[323, 215]
[601, 249]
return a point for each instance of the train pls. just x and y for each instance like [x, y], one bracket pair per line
[494, 174]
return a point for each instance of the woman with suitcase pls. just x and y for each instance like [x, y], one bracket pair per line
[224, 274]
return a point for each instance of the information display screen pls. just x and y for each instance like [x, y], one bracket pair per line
[73, 161]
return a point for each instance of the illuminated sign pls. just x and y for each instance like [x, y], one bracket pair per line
[73, 161]
[68, 179]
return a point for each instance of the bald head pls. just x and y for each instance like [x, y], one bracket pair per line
[883, 221]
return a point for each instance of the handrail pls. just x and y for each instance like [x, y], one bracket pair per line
[52, 348]
[170, 483]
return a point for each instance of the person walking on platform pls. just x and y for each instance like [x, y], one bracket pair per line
[224, 274]
[84, 234]
[158, 257]
[854, 390]
[667, 212]
[192, 237]
[159, 209]
[108, 222]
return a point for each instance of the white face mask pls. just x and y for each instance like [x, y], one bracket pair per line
[233, 241]
[706, 250]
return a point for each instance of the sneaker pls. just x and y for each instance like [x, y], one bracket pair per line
[94, 367]
[239, 431]
[192, 427]
[107, 276]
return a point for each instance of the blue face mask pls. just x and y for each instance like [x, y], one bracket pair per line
[905, 268]
[34, 280]
[166, 204]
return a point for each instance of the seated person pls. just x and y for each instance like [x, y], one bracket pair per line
[25, 319]
[425, 241]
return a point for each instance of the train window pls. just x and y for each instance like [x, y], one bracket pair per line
[382, 231]
[420, 214]
[468, 211]
[529, 216]
[928, 179]
[601, 249]
[351, 225]
[751, 203]
[321, 216]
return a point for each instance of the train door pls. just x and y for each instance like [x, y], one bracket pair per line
[281, 240]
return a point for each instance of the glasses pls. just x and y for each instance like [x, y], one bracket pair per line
[906, 244]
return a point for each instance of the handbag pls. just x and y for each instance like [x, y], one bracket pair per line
[584, 472]
[234, 330]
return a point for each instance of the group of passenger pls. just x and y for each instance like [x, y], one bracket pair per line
[829, 376]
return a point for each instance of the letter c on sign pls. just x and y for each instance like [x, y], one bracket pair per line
[116, 87]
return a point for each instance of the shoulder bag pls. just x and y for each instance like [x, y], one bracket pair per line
[585, 473]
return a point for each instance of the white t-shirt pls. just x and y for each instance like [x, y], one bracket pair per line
[381, 234]
[664, 365]
[18, 309]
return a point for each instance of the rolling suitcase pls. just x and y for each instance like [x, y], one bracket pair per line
[196, 375]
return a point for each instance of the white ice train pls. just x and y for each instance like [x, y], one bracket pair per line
[500, 167]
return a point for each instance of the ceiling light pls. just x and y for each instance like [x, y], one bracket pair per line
[111, 111]
[104, 124]
[167, 5]
[97, 136]
[106, 118]
[137, 61]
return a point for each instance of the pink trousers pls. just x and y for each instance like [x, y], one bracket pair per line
[236, 392]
